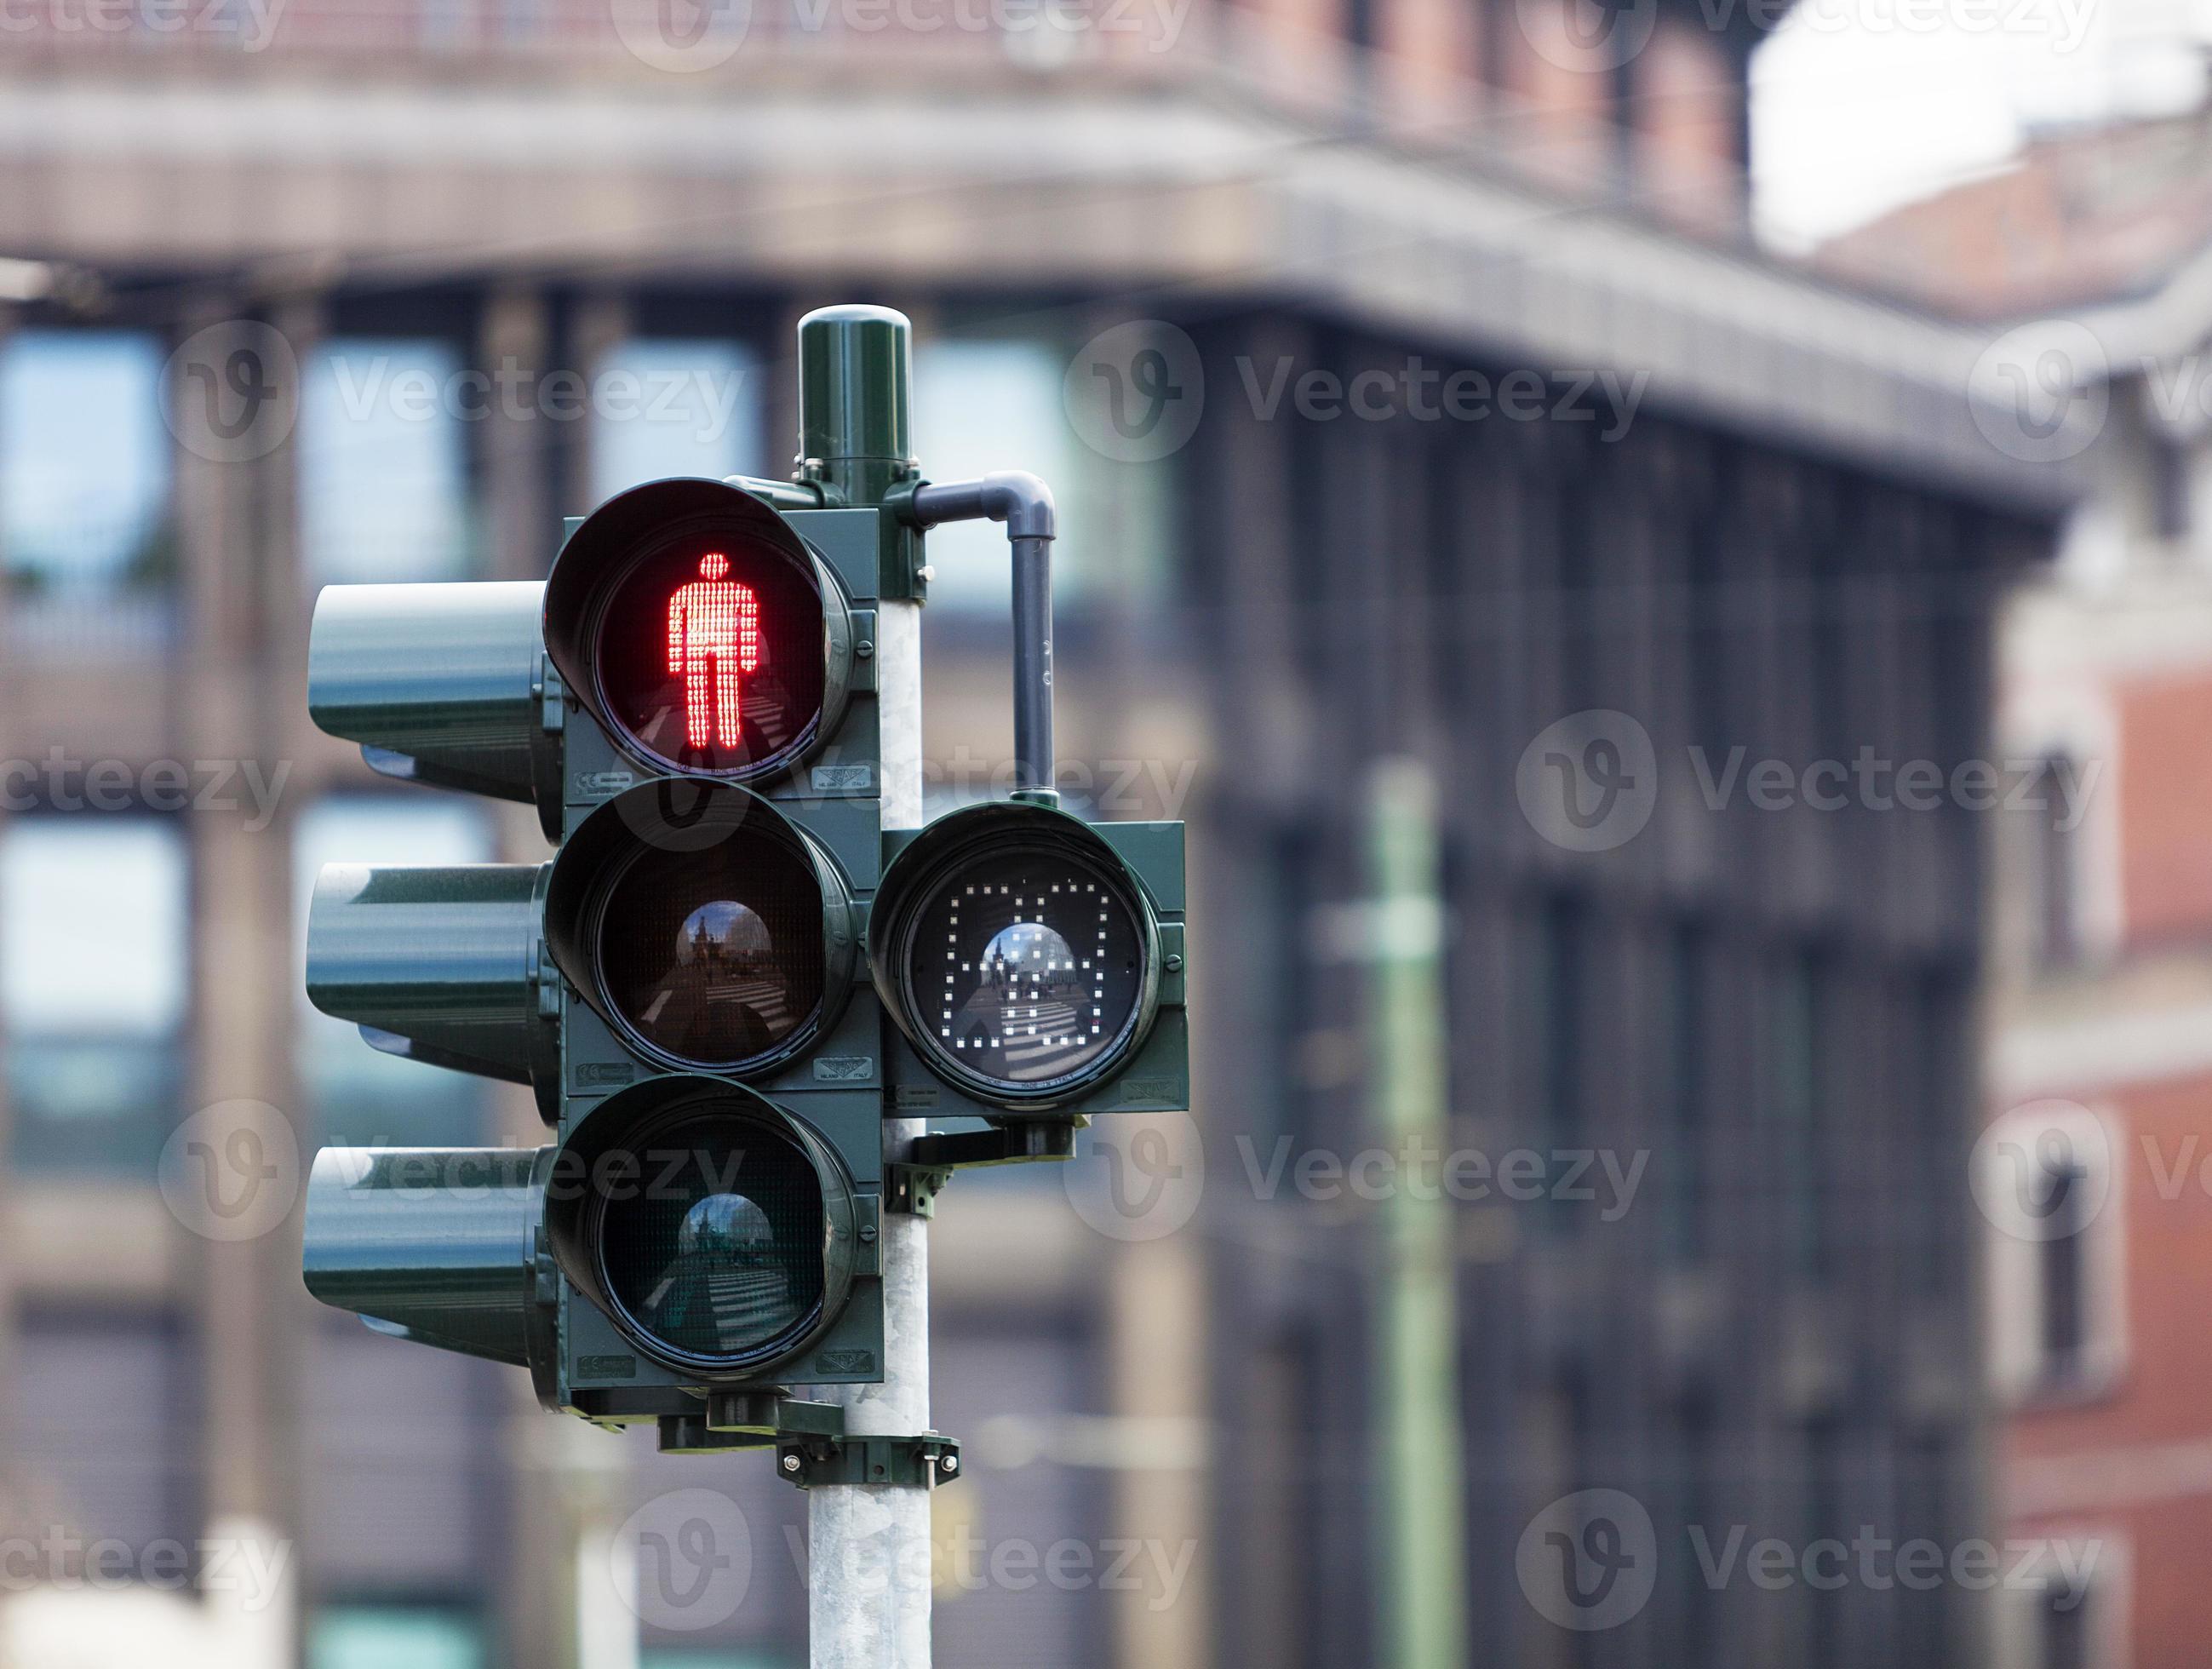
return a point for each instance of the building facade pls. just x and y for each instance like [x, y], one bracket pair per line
[2087, 259]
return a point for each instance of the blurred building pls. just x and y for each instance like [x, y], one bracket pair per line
[494, 261]
[2092, 255]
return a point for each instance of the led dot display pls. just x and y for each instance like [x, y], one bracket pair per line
[1026, 968]
[710, 654]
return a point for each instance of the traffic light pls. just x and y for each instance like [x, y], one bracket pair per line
[686, 699]
[731, 972]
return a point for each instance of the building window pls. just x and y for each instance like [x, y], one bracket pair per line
[1802, 1076]
[2056, 860]
[1563, 933]
[94, 947]
[384, 478]
[87, 543]
[2171, 465]
[103, 1424]
[2064, 1629]
[361, 1096]
[984, 404]
[664, 406]
[2047, 1182]
[388, 1636]
[1680, 1019]
[2069, 1608]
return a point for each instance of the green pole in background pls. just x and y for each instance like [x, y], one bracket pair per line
[1423, 1583]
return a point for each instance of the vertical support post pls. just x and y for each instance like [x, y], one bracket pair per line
[868, 1543]
[1424, 1482]
[1036, 763]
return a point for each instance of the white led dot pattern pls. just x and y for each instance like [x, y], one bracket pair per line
[1028, 970]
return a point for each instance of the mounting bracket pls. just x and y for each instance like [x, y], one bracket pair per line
[911, 1185]
[926, 1461]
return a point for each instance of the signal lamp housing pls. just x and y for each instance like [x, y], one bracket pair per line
[706, 928]
[1018, 952]
[718, 1232]
[700, 630]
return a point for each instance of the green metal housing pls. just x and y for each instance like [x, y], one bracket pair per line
[855, 379]
[834, 1088]
[453, 966]
[442, 1246]
[441, 965]
[443, 684]
[856, 375]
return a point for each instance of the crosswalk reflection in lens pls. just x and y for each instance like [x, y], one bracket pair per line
[714, 957]
[726, 1276]
[715, 1249]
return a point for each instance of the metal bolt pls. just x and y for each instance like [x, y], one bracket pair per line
[950, 1462]
[791, 1463]
[1174, 965]
[864, 648]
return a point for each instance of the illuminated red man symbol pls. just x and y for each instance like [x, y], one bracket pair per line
[713, 635]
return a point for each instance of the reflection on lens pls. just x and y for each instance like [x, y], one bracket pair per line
[1026, 968]
[710, 652]
[714, 957]
[711, 1240]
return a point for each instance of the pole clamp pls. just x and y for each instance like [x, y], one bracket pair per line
[811, 1459]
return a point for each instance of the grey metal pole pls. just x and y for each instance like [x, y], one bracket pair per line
[868, 1543]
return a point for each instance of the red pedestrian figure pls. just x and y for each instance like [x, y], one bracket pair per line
[713, 636]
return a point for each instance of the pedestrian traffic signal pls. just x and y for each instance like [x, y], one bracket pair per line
[730, 972]
[699, 628]
[679, 982]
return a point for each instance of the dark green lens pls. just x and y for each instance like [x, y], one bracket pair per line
[715, 956]
[711, 1235]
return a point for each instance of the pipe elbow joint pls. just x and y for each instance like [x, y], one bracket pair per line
[1021, 501]
[1012, 496]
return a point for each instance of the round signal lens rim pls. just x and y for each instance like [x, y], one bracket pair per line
[595, 927]
[1117, 883]
[835, 614]
[706, 1103]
